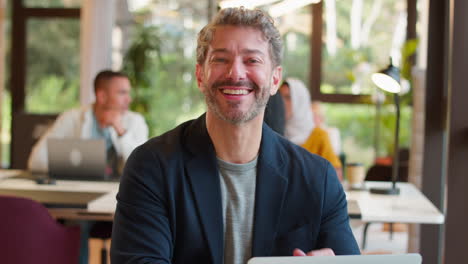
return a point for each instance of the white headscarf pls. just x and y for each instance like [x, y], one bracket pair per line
[301, 123]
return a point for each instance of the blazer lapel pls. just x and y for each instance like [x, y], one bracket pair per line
[270, 193]
[203, 175]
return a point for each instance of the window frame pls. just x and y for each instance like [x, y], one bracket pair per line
[316, 46]
[20, 16]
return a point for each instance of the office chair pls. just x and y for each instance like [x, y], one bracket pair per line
[379, 172]
[30, 235]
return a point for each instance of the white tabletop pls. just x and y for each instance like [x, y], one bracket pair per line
[96, 198]
[410, 206]
[60, 185]
[88, 200]
[106, 203]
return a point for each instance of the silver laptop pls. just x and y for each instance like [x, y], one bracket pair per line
[77, 159]
[355, 259]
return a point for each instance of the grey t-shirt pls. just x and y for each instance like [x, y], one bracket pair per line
[238, 199]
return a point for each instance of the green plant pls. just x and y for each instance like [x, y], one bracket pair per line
[53, 94]
[356, 125]
[408, 49]
[164, 90]
[140, 56]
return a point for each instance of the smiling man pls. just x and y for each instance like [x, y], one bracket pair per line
[224, 187]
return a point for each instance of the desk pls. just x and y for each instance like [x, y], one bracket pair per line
[68, 199]
[411, 206]
[96, 201]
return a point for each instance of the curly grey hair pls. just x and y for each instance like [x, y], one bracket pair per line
[242, 17]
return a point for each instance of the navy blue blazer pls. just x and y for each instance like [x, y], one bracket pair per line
[169, 201]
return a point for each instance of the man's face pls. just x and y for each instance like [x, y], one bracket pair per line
[237, 77]
[116, 94]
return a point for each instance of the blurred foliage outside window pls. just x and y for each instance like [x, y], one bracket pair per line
[52, 3]
[5, 135]
[160, 61]
[295, 28]
[359, 36]
[357, 129]
[53, 65]
[5, 118]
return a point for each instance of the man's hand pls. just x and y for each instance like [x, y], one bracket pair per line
[112, 117]
[318, 252]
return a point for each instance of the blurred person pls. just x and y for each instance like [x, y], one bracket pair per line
[108, 118]
[299, 122]
[300, 126]
[225, 187]
[320, 121]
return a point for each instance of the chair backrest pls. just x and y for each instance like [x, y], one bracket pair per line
[378, 172]
[30, 235]
[383, 172]
[26, 130]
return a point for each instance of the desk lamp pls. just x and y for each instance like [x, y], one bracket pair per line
[389, 80]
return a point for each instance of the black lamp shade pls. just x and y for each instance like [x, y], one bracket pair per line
[388, 79]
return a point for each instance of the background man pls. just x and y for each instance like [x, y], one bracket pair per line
[225, 187]
[108, 118]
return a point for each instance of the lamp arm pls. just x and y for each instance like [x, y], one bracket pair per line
[396, 146]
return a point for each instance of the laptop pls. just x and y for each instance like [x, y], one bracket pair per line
[77, 159]
[354, 259]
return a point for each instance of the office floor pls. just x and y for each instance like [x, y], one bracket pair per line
[378, 241]
[95, 246]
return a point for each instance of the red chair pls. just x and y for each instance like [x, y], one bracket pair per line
[30, 235]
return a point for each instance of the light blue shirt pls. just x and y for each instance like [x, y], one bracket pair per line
[101, 133]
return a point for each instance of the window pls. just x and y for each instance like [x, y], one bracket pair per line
[154, 43]
[356, 40]
[44, 65]
[295, 28]
[52, 64]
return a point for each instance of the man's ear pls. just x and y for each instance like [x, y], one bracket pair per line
[200, 76]
[101, 96]
[276, 79]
